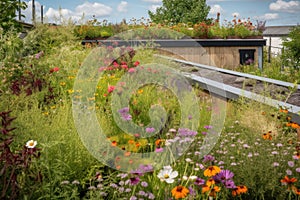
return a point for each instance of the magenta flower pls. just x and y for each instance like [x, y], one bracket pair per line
[199, 181]
[150, 129]
[134, 180]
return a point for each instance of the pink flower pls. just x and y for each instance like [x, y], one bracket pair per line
[136, 63]
[124, 66]
[55, 69]
[131, 70]
[110, 89]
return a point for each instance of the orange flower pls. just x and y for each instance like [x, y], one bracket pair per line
[212, 191]
[127, 153]
[114, 143]
[239, 190]
[283, 110]
[137, 144]
[288, 181]
[210, 182]
[267, 136]
[158, 142]
[295, 125]
[296, 190]
[130, 141]
[212, 171]
[180, 192]
[205, 189]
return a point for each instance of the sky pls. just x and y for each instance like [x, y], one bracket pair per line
[274, 12]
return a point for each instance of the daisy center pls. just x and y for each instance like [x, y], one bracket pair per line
[166, 176]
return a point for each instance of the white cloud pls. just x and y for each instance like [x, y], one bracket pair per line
[285, 6]
[87, 10]
[28, 11]
[153, 1]
[122, 7]
[96, 9]
[267, 16]
[153, 8]
[235, 14]
[215, 9]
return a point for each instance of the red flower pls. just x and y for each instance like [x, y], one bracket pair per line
[136, 63]
[55, 69]
[110, 89]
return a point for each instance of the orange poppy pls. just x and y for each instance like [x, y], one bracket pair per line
[212, 171]
[180, 192]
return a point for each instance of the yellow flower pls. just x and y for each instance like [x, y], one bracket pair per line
[140, 91]
[180, 192]
[70, 91]
[62, 83]
[212, 171]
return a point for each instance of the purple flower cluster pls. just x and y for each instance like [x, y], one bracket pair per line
[225, 177]
[124, 112]
[185, 132]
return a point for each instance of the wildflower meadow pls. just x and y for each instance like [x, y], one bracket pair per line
[159, 137]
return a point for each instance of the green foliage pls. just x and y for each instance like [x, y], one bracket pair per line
[181, 11]
[292, 48]
[8, 15]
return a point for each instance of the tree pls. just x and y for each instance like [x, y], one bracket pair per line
[181, 11]
[8, 10]
[292, 47]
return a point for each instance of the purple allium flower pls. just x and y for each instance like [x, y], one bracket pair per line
[199, 181]
[274, 152]
[150, 129]
[289, 172]
[204, 133]
[134, 180]
[291, 163]
[208, 158]
[279, 145]
[246, 146]
[159, 150]
[190, 117]
[298, 169]
[144, 184]
[275, 164]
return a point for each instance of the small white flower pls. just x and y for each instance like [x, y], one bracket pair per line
[167, 174]
[193, 178]
[185, 178]
[188, 160]
[31, 144]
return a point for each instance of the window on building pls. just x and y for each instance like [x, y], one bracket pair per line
[246, 56]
